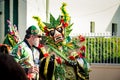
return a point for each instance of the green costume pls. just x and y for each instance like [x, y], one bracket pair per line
[23, 54]
[64, 58]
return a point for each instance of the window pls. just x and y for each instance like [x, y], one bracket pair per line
[114, 29]
[92, 27]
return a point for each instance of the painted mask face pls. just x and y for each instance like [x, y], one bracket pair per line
[57, 34]
[57, 29]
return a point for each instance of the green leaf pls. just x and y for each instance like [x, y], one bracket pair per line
[52, 20]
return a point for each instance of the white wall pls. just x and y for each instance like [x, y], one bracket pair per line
[2, 21]
[22, 17]
[11, 11]
[84, 11]
[28, 9]
[116, 19]
[103, 12]
[35, 8]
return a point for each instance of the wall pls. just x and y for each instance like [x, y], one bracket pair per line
[28, 9]
[35, 8]
[82, 12]
[1, 21]
[22, 17]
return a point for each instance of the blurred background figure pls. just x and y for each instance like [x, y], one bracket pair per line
[4, 48]
[10, 69]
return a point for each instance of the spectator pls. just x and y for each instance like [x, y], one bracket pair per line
[4, 48]
[27, 54]
[10, 69]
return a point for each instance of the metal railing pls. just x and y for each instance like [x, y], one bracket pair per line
[102, 48]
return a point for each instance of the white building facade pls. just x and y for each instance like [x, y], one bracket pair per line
[95, 16]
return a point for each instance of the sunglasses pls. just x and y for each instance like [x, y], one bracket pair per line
[38, 36]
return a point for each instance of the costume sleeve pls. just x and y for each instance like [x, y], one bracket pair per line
[20, 54]
[15, 55]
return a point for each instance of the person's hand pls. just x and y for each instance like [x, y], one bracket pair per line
[30, 70]
[36, 69]
[33, 69]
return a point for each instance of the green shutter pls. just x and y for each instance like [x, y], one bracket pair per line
[15, 12]
[7, 14]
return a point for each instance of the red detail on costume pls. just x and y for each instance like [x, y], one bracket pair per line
[59, 60]
[65, 24]
[16, 39]
[45, 28]
[61, 21]
[71, 57]
[46, 54]
[30, 76]
[82, 48]
[46, 31]
[40, 45]
[12, 33]
[80, 55]
[81, 38]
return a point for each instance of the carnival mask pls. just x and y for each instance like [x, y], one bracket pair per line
[57, 29]
[57, 34]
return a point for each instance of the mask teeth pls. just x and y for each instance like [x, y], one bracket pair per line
[58, 39]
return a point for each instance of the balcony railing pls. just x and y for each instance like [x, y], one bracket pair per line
[102, 48]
